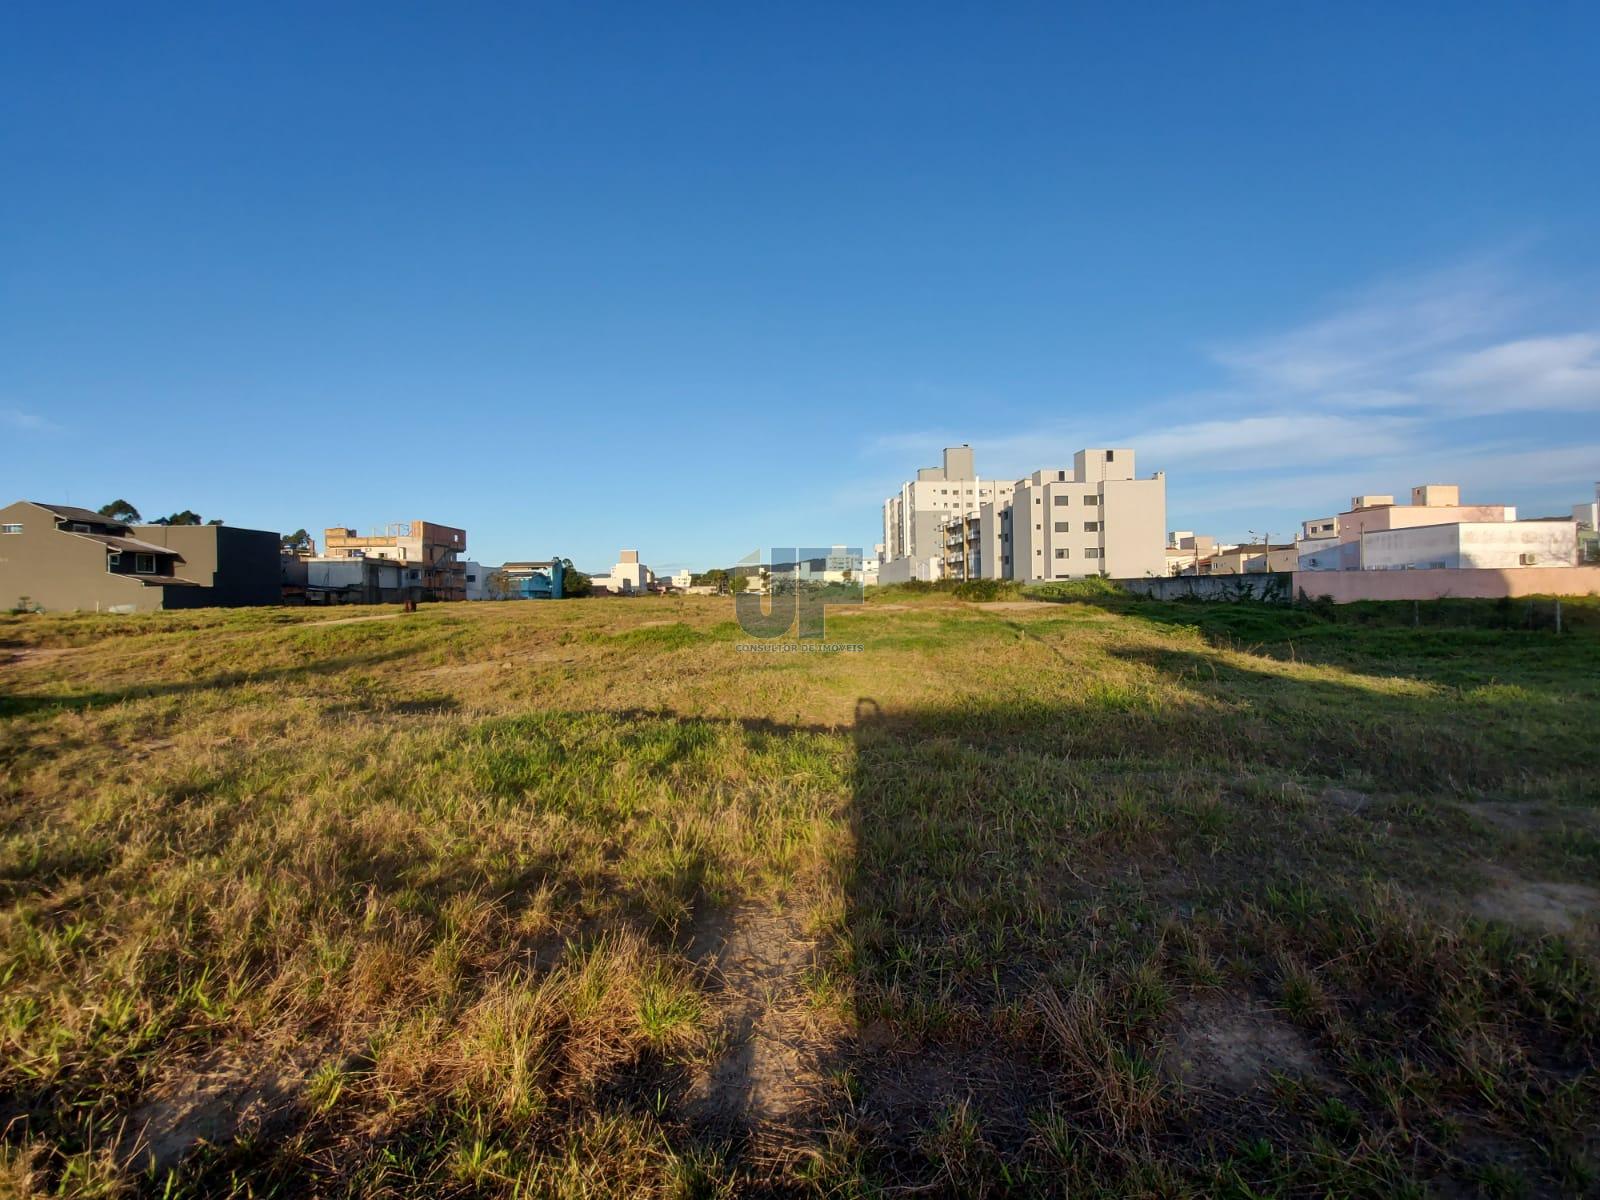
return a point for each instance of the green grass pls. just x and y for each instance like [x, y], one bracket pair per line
[1097, 896]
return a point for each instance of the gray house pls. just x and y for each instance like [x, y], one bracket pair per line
[64, 559]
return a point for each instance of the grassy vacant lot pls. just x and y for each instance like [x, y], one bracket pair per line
[574, 899]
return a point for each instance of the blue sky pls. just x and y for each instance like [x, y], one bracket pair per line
[701, 278]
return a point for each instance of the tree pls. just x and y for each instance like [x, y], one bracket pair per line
[716, 577]
[187, 517]
[500, 586]
[574, 583]
[120, 510]
[214, 521]
[298, 542]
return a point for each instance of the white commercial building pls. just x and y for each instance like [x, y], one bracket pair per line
[1095, 519]
[1434, 532]
[1462, 545]
[628, 576]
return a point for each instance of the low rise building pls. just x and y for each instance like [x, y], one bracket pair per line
[1251, 559]
[352, 580]
[59, 558]
[432, 551]
[1587, 518]
[628, 577]
[531, 580]
[1186, 550]
[1434, 532]
[475, 580]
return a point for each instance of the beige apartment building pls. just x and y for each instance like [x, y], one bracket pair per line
[1096, 518]
[914, 537]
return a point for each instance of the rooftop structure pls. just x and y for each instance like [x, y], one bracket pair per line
[432, 551]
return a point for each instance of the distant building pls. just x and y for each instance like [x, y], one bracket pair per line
[475, 579]
[63, 559]
[915, 540]
[1251, 560]
[683, 580]
[1186, 550]
[1434, 532]
[1093, 519]
[532, 580]
[1587, 519]
[319, 579]
[628, 577]
[430, 553]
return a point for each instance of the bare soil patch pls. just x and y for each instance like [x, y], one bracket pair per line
[215, 1100]
[344, 621]
[1346, 798]
[1232, 1047]
[907, 1086]
[24, 656]
[1519, 817]
[768, 1076]
[1537, 904]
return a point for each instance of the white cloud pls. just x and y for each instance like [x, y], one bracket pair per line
[1558, 372]
[1379, 337]
[26, 422]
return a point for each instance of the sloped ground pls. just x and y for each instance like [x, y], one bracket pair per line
[574, 899]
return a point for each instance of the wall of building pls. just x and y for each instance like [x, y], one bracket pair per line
[1274, 587]
[1133, 532]
[234, 567]
[57, 572]
[1492, 545]
[1346, 587]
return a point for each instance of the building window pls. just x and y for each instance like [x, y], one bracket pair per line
[1064, 527]
[1063, 499]
[113, 560]
[472, 579]
[144, 564]
[79, 527]
[1091, 526]
[1111, 455]
[1091, 499]
[1061, 553]
[10, 528]
[1092, 552]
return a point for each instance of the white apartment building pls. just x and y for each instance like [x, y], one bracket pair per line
[913, 540]
[1095, 519]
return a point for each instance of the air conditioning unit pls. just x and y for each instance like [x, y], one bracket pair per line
[1527, 560]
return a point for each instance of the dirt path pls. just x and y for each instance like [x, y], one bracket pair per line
[769, 1075]
[345, 621]
[22, 656]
